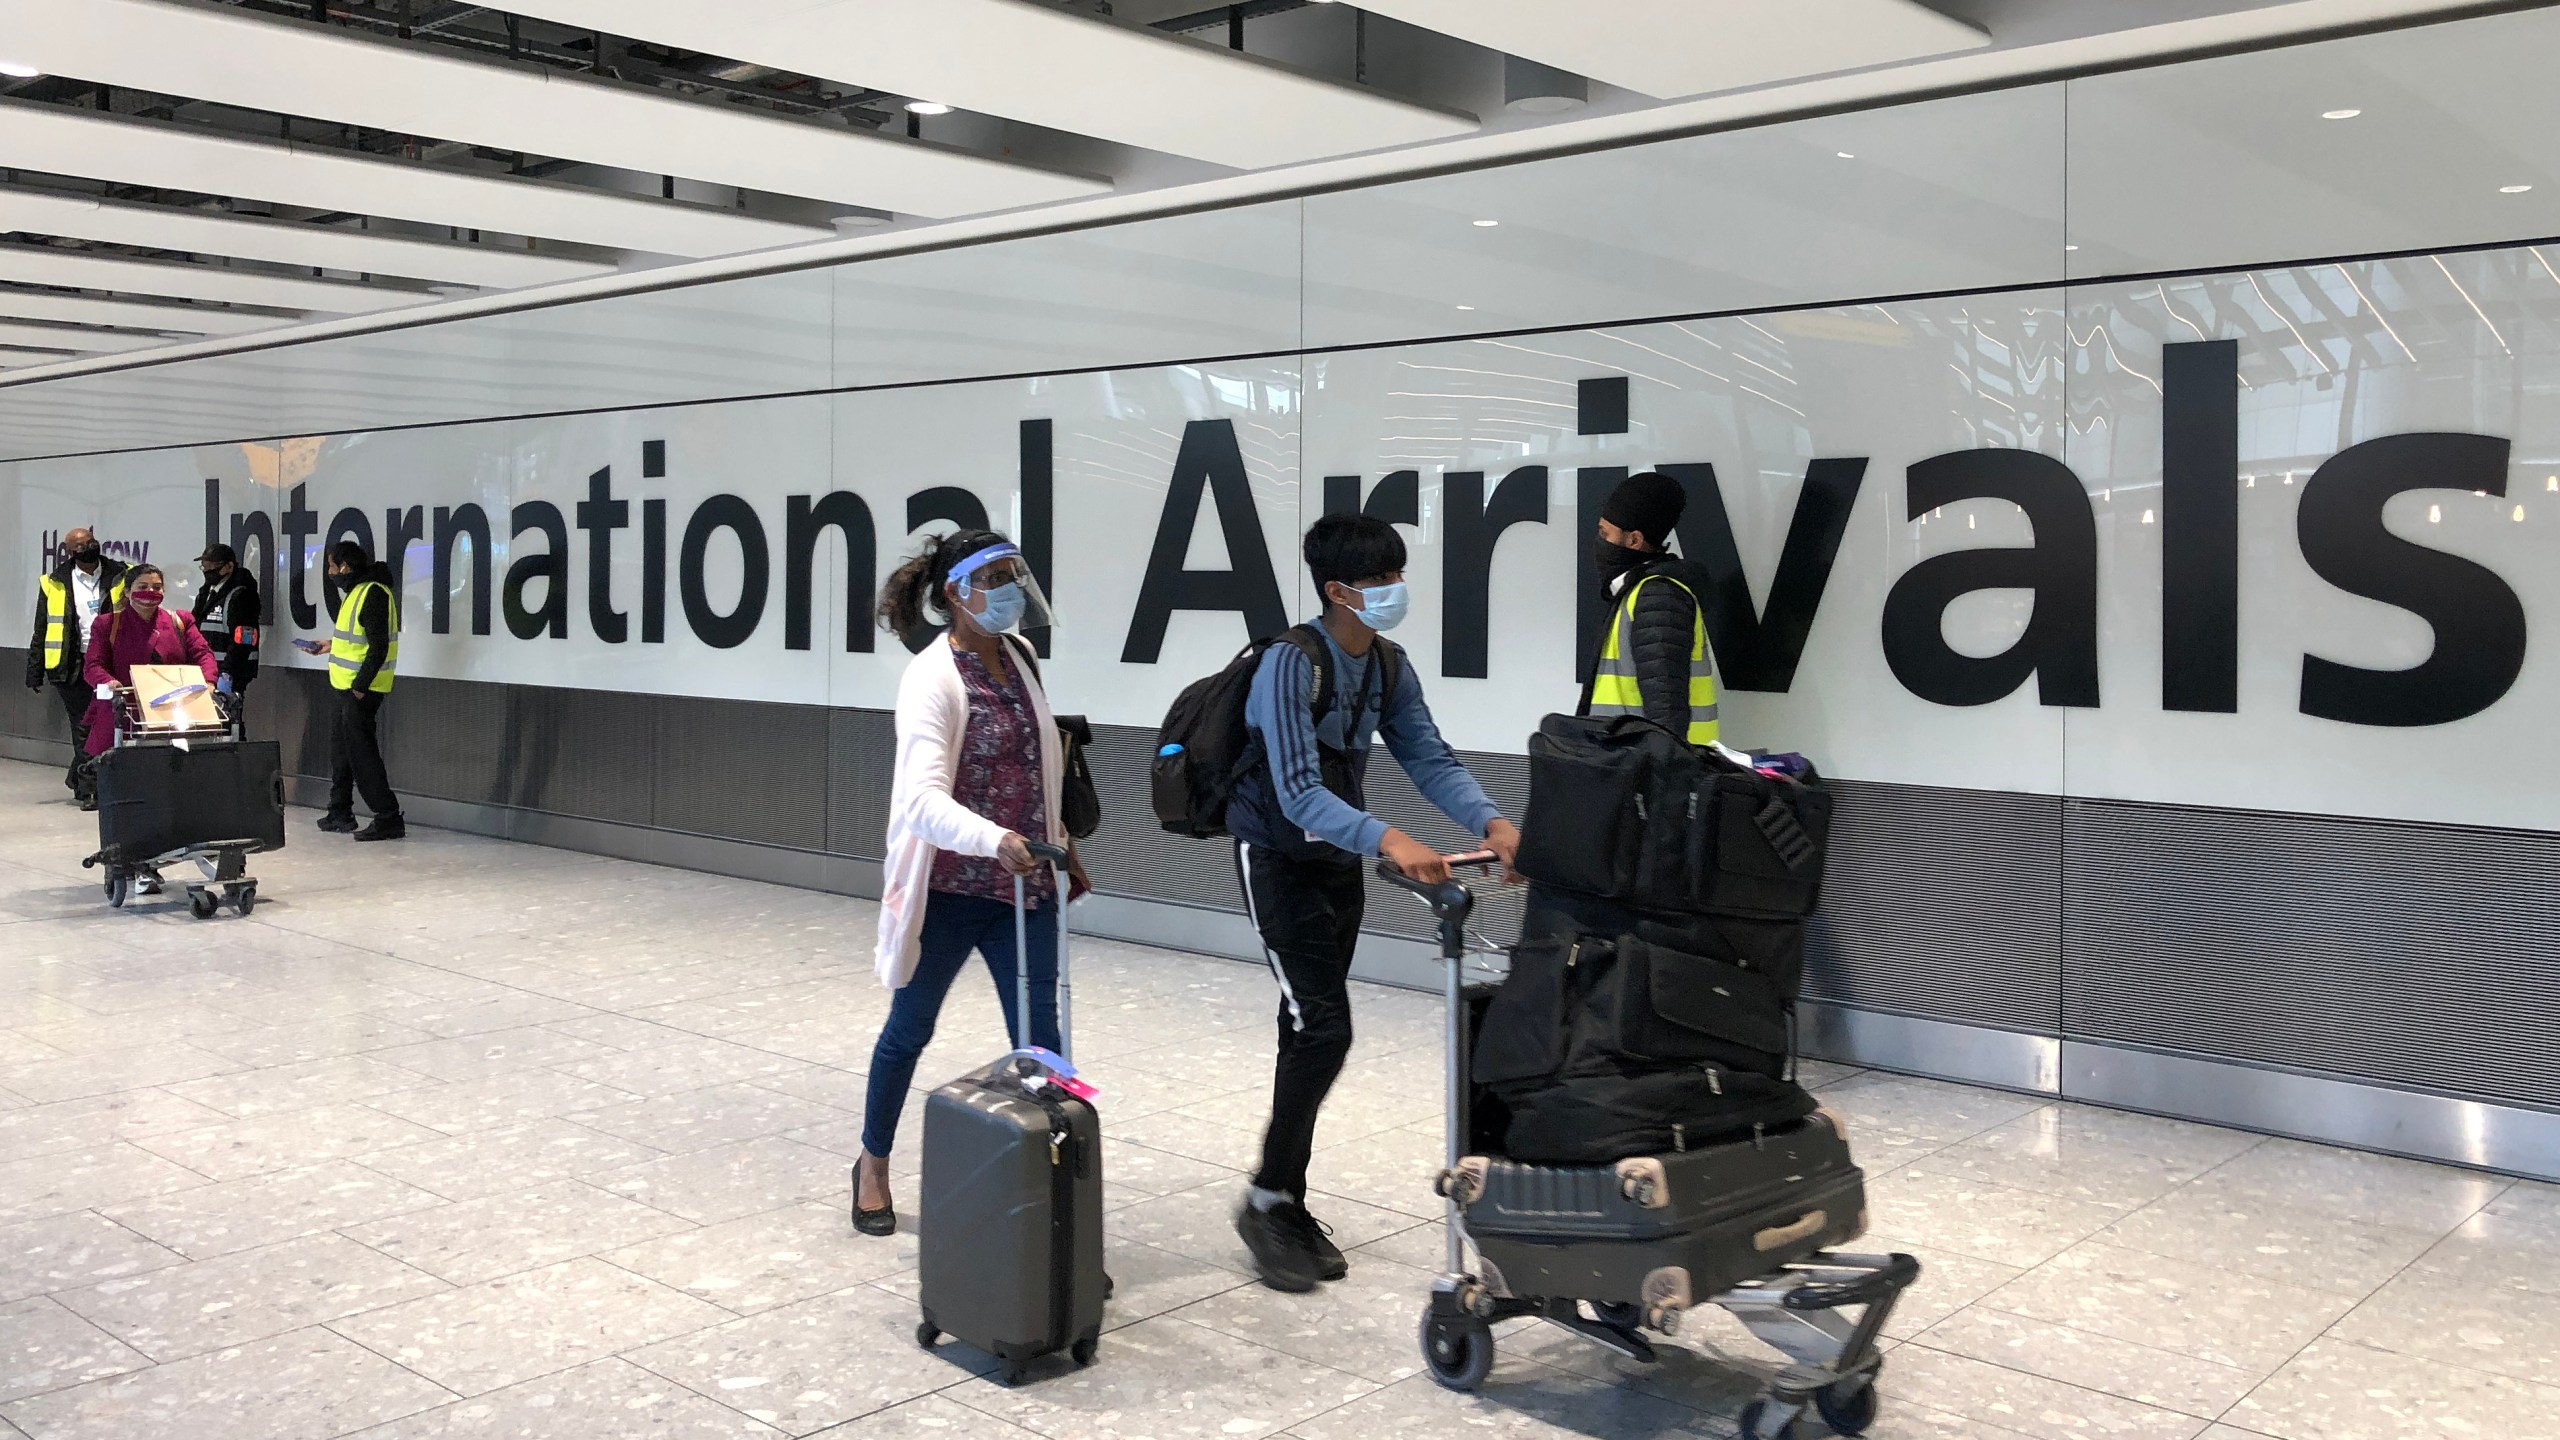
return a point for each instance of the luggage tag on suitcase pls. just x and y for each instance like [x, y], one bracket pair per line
[1062, 1072]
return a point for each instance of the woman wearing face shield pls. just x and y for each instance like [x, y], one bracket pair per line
[978, 776]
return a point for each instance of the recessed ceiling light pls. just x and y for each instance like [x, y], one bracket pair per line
[1466, 307]
[2340, 114]
[927, 107]
[16, 71]
[2070, 247]
[1845, 155]
[1487, 224]
[2513, 189]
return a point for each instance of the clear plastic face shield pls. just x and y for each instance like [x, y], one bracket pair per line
[997, 591]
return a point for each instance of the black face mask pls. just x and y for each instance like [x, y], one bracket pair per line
[87, 554]
[1613, 561]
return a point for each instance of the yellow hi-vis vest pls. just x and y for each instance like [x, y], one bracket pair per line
[1613, 684]
[56, 595]
[348, 647]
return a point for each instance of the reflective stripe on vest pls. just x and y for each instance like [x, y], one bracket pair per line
[1614, 690]
[56, 596]
[347, 647]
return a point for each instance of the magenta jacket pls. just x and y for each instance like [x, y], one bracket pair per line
[170, 639]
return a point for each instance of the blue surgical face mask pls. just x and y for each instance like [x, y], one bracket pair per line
[1005, 605]
[1383, 607]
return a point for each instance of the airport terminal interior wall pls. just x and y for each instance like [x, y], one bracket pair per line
[2244, 882]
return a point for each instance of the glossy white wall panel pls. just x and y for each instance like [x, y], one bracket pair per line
[1182, 287]
[1945, 195]
[1758, 399]
[1115, 438]
[2428, 362]
[2228, 161]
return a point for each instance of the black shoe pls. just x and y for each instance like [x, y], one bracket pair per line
[883, 1221]
[1280, 1252]
[1317, 1236]
[338, 824]
[385, 827]
[88, 802]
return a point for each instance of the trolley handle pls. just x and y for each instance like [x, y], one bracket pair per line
[1451, 897]
[1054, 854]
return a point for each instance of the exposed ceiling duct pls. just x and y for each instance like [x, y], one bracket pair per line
[1081, 73]
[90, 342]
[190, 158]
[35, 265]
[1671, 48]
[238, 57]
[132, 314]
[159, 227]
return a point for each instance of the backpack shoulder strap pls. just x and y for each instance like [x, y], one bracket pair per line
[1320, 658]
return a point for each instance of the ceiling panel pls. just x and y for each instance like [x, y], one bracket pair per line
[1035, 62]
[283, 242]
[235, 57]
[28, 265]
[174, 157]
[1671, 48]
[133, 314]
[87, 342]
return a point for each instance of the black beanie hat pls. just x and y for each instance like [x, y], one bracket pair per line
[1649, 504]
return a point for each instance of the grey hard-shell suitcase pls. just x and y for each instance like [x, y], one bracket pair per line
[1664, 1229]
[1009, 1258]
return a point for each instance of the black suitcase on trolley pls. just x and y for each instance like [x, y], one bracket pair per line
[1010, 1255]
[1673, 1229]
[155, 798]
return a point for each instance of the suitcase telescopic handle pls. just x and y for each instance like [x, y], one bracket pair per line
[1054, 854]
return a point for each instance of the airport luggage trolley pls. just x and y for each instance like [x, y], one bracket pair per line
[172, 794]
[1796, 1308]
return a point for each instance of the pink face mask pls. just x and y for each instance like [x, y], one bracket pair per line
[148, 599]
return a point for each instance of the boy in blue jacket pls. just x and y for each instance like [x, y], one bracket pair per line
[1303, 835]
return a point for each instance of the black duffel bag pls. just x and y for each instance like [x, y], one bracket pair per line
[1622, 809]
[1584, 1003]
[1600, 1117]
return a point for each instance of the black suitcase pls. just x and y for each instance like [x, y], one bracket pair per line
[1678, 1228]
[155, 798]
[1010, 1255]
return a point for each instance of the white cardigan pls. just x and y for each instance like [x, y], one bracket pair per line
[933, 717]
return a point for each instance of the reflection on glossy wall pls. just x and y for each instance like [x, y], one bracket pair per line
[736, 525]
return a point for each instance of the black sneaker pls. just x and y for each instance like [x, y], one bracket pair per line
[337, 824]
[1317, 1236]
[1279, 1249]
[385, 827]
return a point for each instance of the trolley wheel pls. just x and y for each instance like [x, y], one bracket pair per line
[244, 898]
[1624, 1315]
[1082, 1352]
[1752, 1416]
[1457, 1348]
[202, 903]
[1849, 1406]
[119, 888]
[927, 1333]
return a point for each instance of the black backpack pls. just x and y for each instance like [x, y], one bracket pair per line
[1204, 748]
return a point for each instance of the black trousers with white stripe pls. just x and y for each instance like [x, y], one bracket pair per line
[1308, 914]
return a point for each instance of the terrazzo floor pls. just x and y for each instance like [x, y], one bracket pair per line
[464, 1138]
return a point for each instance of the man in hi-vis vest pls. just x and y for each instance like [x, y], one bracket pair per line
[364, 652]
[1655, 659]
[68, 599]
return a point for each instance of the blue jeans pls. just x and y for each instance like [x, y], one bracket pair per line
[954, 925]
